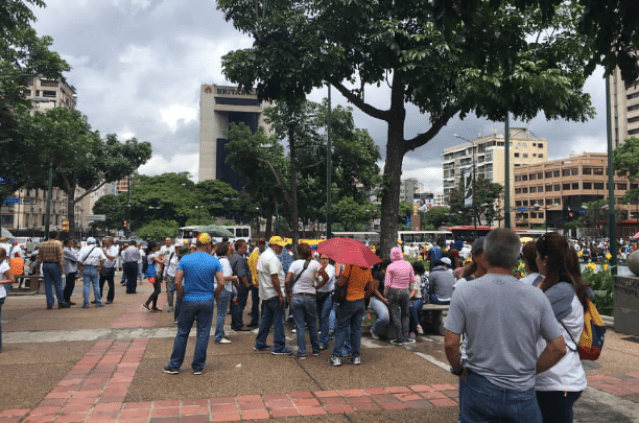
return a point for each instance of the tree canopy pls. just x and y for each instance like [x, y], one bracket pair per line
[443, 70]
[626, 162]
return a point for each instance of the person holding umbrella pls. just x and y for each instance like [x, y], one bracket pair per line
[358, 279]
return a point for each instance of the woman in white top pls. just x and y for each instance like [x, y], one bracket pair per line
[300, 291]
[559, 388]
[223, 253]
[324, 300]
[6, 278]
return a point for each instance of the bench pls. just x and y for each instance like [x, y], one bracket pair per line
[30, 282]
[431, 316]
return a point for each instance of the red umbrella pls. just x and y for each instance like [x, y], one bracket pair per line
[347, 250]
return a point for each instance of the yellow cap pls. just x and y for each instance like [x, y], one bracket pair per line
[204, 238]
[277, 240]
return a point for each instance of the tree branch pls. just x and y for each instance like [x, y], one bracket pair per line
[311, 166]
[277, 179]
[439, 123]
[90, 190]
[359, 103]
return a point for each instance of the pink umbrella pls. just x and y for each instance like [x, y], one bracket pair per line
[347, 250]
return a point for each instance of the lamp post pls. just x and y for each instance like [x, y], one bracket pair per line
[198, 213]
[474, 179]
[537, 207]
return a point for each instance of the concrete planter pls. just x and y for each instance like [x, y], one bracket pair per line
[626, 305]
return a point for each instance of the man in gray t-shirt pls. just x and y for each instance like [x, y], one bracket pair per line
[502, 319]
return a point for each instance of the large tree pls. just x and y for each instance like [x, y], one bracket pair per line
[626, 163]
[300, 45]
[81, 159]
[23, 55]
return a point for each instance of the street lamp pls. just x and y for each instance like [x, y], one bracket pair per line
[537, 207]
[198, 213]
[474, 179]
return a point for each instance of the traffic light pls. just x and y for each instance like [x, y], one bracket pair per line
[126, 224]
[65, 226]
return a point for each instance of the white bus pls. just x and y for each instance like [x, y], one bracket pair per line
[422, 237]
[368, 238]
[216, 231]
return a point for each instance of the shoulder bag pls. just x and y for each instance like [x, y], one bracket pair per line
[339, 293]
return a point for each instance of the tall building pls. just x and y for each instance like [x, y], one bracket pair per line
[489, 156]
[408, 189]
[624, 99]
[46, 94]
[219, 107]
[559, 188]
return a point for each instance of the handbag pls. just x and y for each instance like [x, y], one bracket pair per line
[339, 294]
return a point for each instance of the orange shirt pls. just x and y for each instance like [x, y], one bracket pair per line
[358, 279]
[17, 266]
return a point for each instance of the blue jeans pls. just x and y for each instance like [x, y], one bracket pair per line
[223, 300]
[414, 308]
[383, 317]
[349, 316]
[178, 306]
[202, 311]
[485, 402]
[238, 310]
[434, 300]
[255, 306]
[52, 275]
[129, 269]
[324, 307]
[304, 311]
[90, 277]
[272, 314]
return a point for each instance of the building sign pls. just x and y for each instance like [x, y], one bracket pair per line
[12, 201]
[234, 91]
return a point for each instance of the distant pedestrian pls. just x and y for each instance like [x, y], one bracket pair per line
[379, 302]
[324, 300]
[195, 284]
[6, 278]
[241, 269]
[503, 320]
[153, 272]
[130, 257]
[70, 269]
[51, 256]
[255, 288]
[108, 270]
[224, 297]
[90, 262]
[271, 278]
[399, 276]
[170, 268]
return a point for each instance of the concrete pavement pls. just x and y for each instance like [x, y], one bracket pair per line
[106, 365]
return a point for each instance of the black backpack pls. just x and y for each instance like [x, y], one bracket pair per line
[145, 265]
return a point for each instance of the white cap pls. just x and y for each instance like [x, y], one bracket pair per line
[90, 240]
[446, 260]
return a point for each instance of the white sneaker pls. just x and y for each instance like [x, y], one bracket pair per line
[374, 335]
[225, 341]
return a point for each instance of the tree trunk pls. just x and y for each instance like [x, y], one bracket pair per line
[71, 211]
[269, 221]
[295, 224]
[391, 186]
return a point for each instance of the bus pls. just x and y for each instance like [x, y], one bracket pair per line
[422, 237]
[467, 232]
[368, 238]
[217, 232]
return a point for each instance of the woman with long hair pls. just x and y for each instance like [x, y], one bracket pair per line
[559, 388]
[152, 272]
[529, 252]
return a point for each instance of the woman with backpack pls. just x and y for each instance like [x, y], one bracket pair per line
[558, 388]
[152, 271]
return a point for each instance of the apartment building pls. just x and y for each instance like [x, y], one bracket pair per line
[624, 99]
[561, 187]
[46, 94]
[488, 154]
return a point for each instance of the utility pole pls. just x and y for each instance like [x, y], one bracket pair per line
[611, 186]
[49, 196]
[507, 170]
[329, 167]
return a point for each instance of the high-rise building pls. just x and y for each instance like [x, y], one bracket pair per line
[489, 156]
[624, 99]
[219, 107]
[408, 190]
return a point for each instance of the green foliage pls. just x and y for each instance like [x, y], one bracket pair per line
[603, 284]
[351, 214]
[114, 208]
[626, 162]
[405, 212]
[159, 229]
[435, 218]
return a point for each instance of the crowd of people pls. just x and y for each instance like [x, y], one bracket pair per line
[518, 333]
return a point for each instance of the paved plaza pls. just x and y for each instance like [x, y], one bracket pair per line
[105, 365]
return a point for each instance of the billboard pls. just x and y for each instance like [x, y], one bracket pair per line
[468, 187]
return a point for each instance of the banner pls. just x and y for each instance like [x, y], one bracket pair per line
[468, 187]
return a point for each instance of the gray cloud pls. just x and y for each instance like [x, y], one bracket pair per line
[138, 65]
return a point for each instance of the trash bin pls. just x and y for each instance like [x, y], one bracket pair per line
[626, 305]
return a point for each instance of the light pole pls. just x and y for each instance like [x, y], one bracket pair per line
[537, 207]
[474, 181]
[198, 213]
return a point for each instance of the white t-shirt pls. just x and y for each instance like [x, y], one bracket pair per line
[112, 251]
[89, 256]
[170, 267]
[267, 265]
[155, 264]
[330, 285]
[227, 270]
[165, 251]
[305, 283]
[4, 266]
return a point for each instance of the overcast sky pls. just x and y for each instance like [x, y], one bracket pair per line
[138, 65]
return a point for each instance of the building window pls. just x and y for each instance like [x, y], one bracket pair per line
[633, 132]
[524, 177]
[597, 171]
[525, 203]
[533, 215]
[540, 189]
[557, 201]
[556, 188]
[548, 188]
[548, 175]
[517, 190]
[634, 186]
[555, 174]
[587, 171]
[633, 119]
[524, 190]
[540, 145]
[540, 215]
[534, 154]
[517, 203]
[565, 172]
[518, 178]
[633, 95]
[574, 171]
[622, 187]
[540, 175]
[533, 176]
[599, 185]
[525, 155]
[587, 185]
[50, 94]
[575, 185]
[533, 189]
[516, 154]
[534, 144]
[566, 187]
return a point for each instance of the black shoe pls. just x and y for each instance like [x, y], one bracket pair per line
[93, 302]
[63, 306]
[264, 348]
[109, 302]
[171, 371]
[253, 325]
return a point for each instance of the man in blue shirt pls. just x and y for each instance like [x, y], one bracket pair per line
[199, 271]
